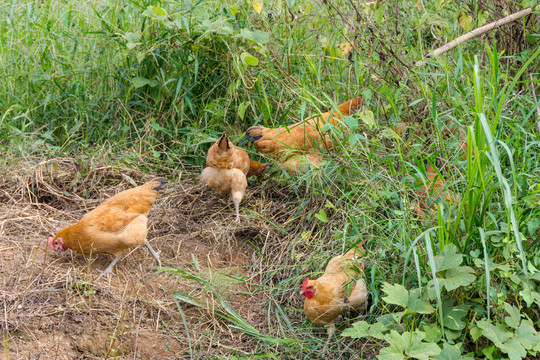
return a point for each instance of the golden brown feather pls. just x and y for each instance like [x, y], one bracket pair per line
[227, 169]
[336, 291]
[302, 136]
[116, 225]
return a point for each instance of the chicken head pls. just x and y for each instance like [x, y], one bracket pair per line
[308, 289]
[57, 244]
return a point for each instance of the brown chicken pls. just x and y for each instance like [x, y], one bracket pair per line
[113, 227]
[227, 170]
[302, 137]
[431, 192]
[335, 292]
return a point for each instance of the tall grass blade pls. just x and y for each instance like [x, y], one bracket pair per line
[431, 258]
[185, 326]
[488, 275]
[493, 157]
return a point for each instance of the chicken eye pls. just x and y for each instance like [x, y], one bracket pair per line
[56, 243]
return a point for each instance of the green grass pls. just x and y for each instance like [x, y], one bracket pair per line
[156, 85]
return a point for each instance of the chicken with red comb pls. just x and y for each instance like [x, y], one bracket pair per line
[338, 290]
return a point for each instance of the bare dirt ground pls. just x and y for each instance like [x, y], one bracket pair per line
[52, 306]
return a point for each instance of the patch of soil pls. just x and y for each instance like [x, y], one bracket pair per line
[53, 306]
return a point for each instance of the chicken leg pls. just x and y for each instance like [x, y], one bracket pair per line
[331, 329]
[154, 254]
[237, 197]
[108, 271]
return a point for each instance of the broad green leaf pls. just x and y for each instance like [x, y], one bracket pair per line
[397, 346]
[159, 11]
[423, 350]
[260, 37]
[433, 333]
[376, 330]
[527, 336]
[514, 350]
[249, 59]
[221, 26]
[234, 9]
[418, 305]
[357, 331]
[153, 11]
[496, 333]
[351, 122]
[327, 127]
[379, 14]
[389, 353]
[449, 352]
[355, 138]
[388, 320]
[397, 294]
[242, 109]
[448, 258]
[226, 29]
[455, 278]
[476, 332]
[453, 315]
[528, 294]
[132, 39]
[367, 117]
[452, 334]
[488, 352]
[482, 17]
[322, 216]
[514, 318]
[140, 81]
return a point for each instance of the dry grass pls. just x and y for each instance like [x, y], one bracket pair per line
[53, 307]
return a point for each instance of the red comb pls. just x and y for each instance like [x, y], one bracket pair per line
[304, 284]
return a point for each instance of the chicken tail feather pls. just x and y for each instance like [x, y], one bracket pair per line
[158, 183]
[223, 142]
[254, 133]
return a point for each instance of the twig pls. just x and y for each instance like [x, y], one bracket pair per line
[476, 32]
[535, 101]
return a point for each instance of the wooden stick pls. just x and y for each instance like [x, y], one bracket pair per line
[476, 32]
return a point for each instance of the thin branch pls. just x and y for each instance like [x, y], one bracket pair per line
[476, 32]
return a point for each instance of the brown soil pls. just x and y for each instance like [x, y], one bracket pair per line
[53, 307]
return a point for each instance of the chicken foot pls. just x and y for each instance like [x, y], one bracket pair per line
[236, 205]
[108, 271]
